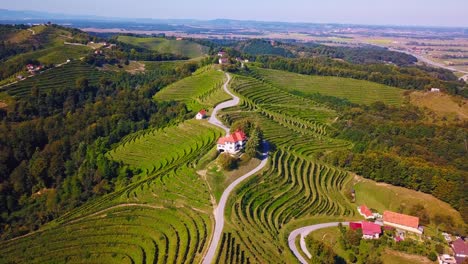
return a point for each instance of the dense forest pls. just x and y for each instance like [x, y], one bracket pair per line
[52, 144]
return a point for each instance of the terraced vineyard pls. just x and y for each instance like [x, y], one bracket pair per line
[203, 90]
[60, 78]
[293, 188]
[356, 91]
[164, 217]
[153, 150]
[165, 220]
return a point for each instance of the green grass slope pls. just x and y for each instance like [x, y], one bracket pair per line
[356, 91]
[162, 45]
[202, 90]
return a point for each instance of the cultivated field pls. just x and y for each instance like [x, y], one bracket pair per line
[356, 91]
[202, 90]
[60, 78]
[163, 217]
[152, 150]
[162, 45]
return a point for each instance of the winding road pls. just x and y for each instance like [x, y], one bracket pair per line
[303, 232]
[219, 210]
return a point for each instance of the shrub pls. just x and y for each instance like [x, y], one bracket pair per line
[227, 162]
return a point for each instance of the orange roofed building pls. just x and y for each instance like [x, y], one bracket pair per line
[401, 221]
[232, 143]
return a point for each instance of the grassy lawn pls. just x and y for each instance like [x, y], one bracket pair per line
[218, 179]
[381, 196]
[356, 91]
[162, 45]
[395, 257]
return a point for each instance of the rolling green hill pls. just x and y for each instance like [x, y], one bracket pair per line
[201, 90]
[48, 45]
[162, 45]
[356, 91]
[63, 77]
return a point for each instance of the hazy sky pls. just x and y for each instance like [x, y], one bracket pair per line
[397, 12]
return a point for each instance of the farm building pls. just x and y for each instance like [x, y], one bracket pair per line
[365, 211]
[435, 90]
[401, 221]
[460, 249]
[232, 143]
[221, 54]
[223, 60]
[370, 230]
[201, 115]
[355, 225]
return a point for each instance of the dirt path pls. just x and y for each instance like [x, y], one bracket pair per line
[219, 210]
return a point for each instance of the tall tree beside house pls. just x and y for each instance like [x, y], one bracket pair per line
[253, 144]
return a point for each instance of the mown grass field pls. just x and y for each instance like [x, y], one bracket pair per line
[60, 78]
[356, 91]
[201, 90]
[162, 45]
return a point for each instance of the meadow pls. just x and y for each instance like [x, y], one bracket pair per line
[162, 45]
[356, 91]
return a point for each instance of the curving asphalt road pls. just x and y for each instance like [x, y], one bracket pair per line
[233, 102]
[303, 232]
[219, 210]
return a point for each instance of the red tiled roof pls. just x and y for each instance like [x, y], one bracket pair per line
[233, 138]
[401, 219]
[355, 225]
[202, 112]
[460, 247]
[369, 228]
[366, 211]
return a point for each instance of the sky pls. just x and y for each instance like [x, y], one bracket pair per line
[371, 12]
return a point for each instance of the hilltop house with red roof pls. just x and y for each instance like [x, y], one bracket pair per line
[223, 61]
[460, 249]
[366, 212]
[401, 221]
[370, 230]
[232, 143]
[201, 115]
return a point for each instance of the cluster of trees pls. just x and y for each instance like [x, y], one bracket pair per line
[53, 144]
[397, 146]
[404, 77]
[262, 47]
[358, 55]
[322, 253]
